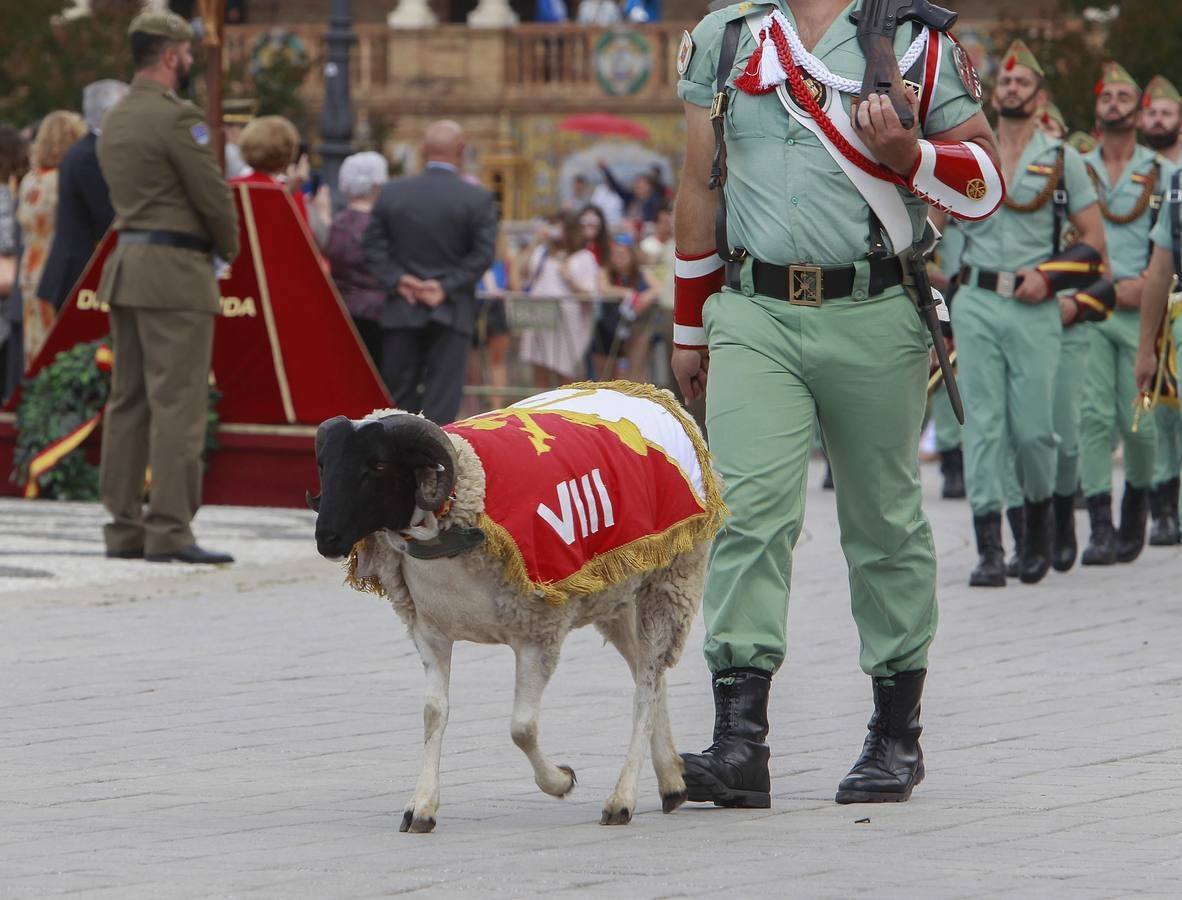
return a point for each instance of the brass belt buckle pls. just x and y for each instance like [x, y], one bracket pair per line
[804, 285]
[1006, 281]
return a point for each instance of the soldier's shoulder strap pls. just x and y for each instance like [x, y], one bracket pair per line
[1060, 199]
[726, 61]
[730, 12]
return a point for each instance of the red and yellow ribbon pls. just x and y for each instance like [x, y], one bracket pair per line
[48, 458]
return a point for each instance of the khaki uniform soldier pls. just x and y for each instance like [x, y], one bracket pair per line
[794, 303]
[1009, 326]
[1130, 179]
[1160, 129]
[172, 211]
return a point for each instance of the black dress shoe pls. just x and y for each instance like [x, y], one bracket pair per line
[137, 553]
[192, 554]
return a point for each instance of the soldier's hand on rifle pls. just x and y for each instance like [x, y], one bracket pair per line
[884, 135]
[690, 368]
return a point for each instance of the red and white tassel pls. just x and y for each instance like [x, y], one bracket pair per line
[764, 71]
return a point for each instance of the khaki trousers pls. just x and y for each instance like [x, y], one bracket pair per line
[156, 417]
[859, 365]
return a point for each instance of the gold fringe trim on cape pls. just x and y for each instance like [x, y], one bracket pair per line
[607, 569]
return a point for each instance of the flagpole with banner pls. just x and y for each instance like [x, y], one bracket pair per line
[213, 17]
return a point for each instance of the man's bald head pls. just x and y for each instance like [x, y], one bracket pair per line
[444, 142]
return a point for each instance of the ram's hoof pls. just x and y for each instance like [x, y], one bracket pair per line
[414, 825]
[616, 817]
[670, 802]
[573, 781]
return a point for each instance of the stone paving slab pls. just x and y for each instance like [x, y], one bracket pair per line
[254, 731]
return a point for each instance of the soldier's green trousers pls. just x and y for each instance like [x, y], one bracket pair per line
[1007, 356]
[1069, 387]
[1109, 394]
[947, 428]
[858, 365]
[1167, 459]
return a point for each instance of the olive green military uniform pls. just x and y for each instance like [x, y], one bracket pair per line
[1110, 389]
[1008, 351]
[858, 364]
[948, 429]
[155, 153]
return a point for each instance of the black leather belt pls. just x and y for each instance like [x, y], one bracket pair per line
[808, 285]
[1002, 283]
[165, 239]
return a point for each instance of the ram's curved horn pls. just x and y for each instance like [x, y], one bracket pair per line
[313, 502]
[426, 447]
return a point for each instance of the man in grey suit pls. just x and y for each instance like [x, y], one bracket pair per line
[430, 239]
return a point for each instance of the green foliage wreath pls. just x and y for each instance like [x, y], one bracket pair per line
[69, 391]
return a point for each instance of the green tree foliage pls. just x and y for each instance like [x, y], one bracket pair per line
[44, 66]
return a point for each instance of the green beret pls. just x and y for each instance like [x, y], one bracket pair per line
[161, 23]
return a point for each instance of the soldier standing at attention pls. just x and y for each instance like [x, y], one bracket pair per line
[173, 210]
[1161, 131]
[1009, 324]
[798, 308]
[1130, 179]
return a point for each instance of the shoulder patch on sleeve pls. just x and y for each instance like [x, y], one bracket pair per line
[966, 70]
[685, 52]
[200, 133]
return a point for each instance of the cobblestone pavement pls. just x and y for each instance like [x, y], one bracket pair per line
[254, 731]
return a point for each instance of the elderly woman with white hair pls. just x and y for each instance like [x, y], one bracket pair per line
[361, 178]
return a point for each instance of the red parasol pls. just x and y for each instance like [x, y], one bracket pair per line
[604, 123]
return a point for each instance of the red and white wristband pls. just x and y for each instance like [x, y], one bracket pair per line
[695, 278]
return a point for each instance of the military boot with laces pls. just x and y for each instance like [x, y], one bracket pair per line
[733, 771]
[891, 764]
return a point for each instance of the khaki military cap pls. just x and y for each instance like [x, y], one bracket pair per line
[237, 111]
[161, 23]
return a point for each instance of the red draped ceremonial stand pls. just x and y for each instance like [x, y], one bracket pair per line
[285, 356]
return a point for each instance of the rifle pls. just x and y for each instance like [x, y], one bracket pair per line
[917, 257]
[877, 22]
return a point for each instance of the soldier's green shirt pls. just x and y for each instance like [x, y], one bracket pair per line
[1128, 245]
[1010, 240]
[787, 199]
[1170, 209]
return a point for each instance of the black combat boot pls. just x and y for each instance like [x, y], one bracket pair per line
[891, 763]
[1134, 515]
[1064, 547]
[1036, 542]
[991, 567]
[1163, 507]
[1101, 548]
[733, 771]
[952, 468]
[1016, 516]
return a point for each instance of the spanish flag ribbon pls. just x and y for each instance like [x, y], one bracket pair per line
[48, 458]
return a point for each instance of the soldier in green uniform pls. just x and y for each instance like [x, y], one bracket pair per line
[1129, 179]
[1160, 128]
[1066, 410]
[173, 211]
[1009, 322]
[1165, 266]
[809, 319]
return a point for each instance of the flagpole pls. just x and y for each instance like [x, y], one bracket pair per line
[213, 17]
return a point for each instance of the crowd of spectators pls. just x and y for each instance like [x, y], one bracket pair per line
[599, 271]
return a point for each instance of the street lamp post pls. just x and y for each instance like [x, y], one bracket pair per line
[336, 115]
